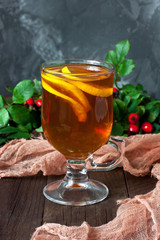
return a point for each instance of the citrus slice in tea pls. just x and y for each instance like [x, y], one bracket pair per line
[61, 85]
[78, 108]
[91, 88]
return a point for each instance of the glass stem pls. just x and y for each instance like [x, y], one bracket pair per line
[76, 172]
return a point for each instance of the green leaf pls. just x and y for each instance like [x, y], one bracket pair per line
[7, 100]
[126, 67]
[157, 105]
[122, 108]
[157, 131]
[129, 88]
[156, 126]
[144, 92]
[40, 129]
[127, 99]
[2, 140]
[10, 89]
[4, 117]
[141, 97]
[117, 129]
[117, 77]
[19, 135]
[1, 101]
[25, 128]
[153, 114]
[135, 94]
[19, 114]
[38, 86]
[139, 87]
[115, 111]
[133, 106]
[125, 135]
[122, 49]
[111, 57]
[23, 91]
[141, 111]
[35, 119]
[125, 125]
[8, 129]
[122, 95]
[151, 104]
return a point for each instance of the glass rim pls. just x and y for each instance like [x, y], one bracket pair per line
[110, 68]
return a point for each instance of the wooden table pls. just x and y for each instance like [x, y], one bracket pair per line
[23, 206]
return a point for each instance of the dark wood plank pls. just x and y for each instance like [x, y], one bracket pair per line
[139, 185]
[105, 211]
[21, 206]
[96, 214]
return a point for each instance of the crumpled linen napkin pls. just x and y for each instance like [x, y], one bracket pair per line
[137, 218]
[27, 157]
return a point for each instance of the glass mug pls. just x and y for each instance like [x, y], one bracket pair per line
[77, 118]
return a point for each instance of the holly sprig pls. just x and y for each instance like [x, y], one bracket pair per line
[18, 118]
[134, 99]
[128, 98]
[117, 57]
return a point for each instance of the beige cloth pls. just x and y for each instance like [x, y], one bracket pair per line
[137, 218]
[28, 157]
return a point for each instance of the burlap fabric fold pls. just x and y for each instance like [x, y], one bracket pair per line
[137, 218]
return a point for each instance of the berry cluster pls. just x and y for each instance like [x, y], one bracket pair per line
[133, 119]
[135, 125]
[31, 102]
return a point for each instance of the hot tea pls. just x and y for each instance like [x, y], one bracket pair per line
[77, 112]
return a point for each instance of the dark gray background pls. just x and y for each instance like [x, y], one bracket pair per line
[33, 31]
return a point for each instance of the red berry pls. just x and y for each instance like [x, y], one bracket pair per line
[115, 89]
[30, 101]
[115, 92]
[133, 129]
[133, 118]
[38, 102]
[147, 127]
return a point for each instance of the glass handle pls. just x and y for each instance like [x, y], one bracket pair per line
[94, 166]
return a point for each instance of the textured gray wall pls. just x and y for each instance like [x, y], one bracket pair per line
[35, 31]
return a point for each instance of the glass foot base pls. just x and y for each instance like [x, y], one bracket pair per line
[75, 193]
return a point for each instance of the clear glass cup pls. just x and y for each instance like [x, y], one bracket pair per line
[77, 118]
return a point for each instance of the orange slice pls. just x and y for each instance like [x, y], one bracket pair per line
[93, 89]
[67, 89]
[89, 77]
[65, 70]
[90, 88]
[78, 109]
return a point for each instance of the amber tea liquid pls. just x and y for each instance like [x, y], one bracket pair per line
[77, 111]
